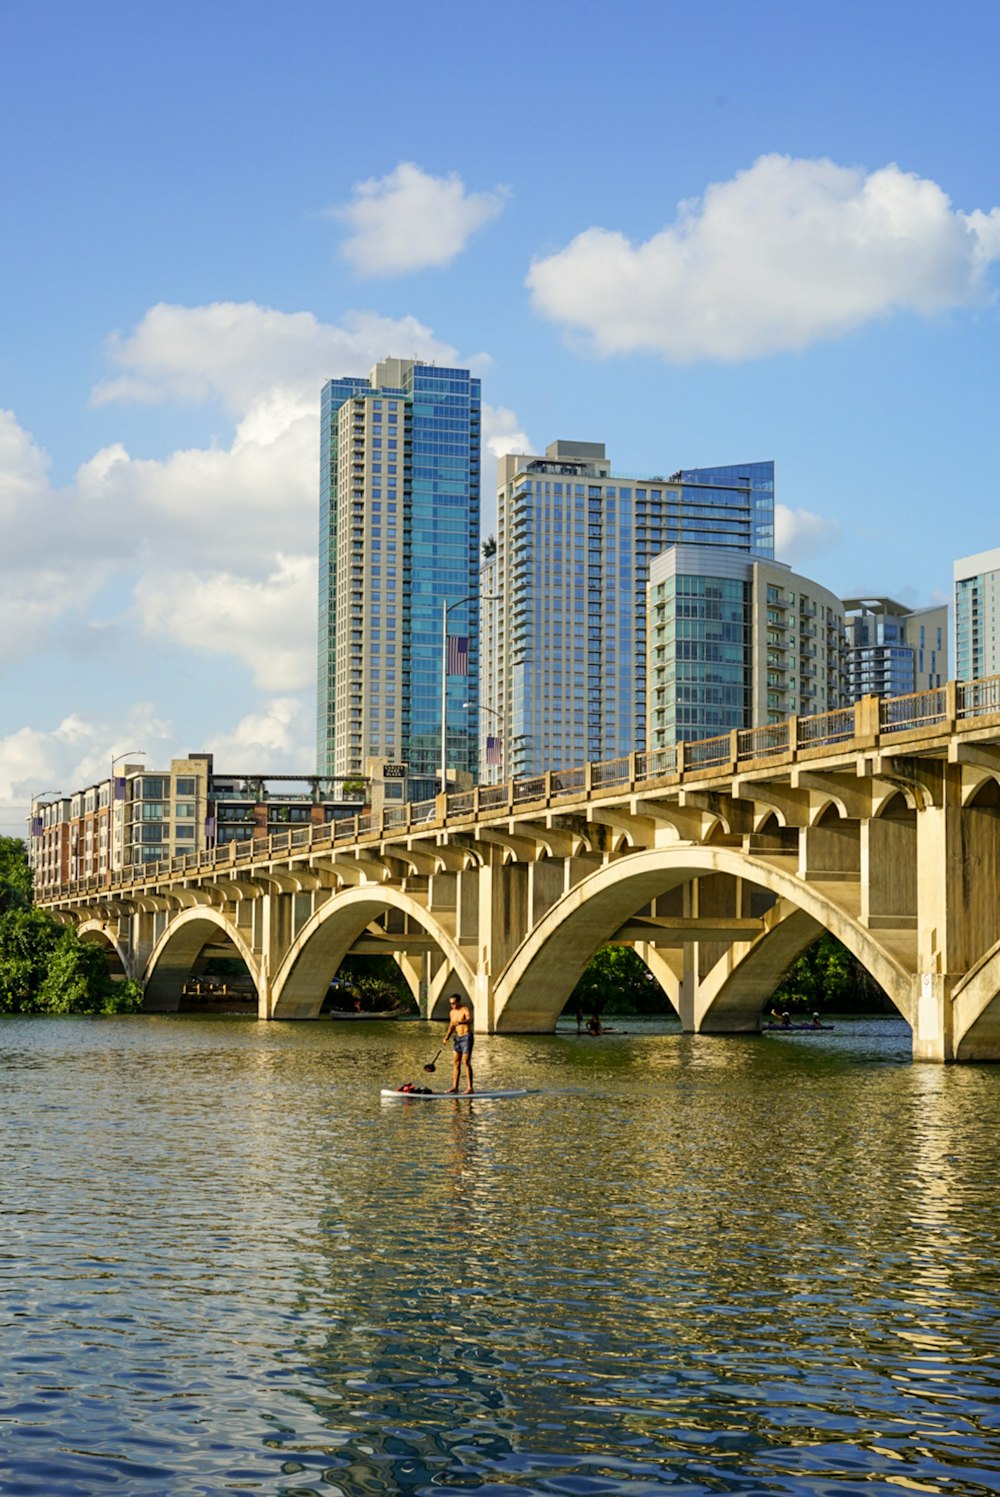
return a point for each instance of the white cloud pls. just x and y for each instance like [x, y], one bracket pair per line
[502, 433]
[410, 220]
[799, 533]
[239, 352]
[279, 737]
[268, 624]
[785, 254]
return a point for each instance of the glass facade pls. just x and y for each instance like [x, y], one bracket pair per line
[706, 633]
[567, 641]
[399, 541]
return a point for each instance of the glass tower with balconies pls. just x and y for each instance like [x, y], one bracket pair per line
[565, 639]
[399, 539]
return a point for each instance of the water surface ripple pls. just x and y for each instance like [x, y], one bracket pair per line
[761, 1265]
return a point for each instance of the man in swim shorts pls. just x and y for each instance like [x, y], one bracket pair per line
[460, 1033]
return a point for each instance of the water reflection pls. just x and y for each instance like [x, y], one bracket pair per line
[715, 1266]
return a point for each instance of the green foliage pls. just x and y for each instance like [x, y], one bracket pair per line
[44, 967]
[827, 977]
[375, 981]
[15, 875]
[618, 982]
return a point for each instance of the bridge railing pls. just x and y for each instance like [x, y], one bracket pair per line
[706, 753]
[827, 728]
[760, 743]
[655, 763]
[978, 698]
[920, 709]
[960, 701]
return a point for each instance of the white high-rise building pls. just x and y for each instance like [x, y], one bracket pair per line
[563, 647]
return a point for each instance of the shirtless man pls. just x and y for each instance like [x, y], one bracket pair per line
[460, 1033]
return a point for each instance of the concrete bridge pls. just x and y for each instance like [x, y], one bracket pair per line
[718, 861]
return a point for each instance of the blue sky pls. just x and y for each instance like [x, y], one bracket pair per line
[210, 209]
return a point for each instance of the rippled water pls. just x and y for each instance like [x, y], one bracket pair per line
[760, 1265]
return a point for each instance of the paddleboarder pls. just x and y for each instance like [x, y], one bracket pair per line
[462, 1038]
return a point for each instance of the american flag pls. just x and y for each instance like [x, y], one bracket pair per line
[494, 750]
[458, 654]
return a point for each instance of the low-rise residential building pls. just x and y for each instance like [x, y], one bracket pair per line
[142, 816]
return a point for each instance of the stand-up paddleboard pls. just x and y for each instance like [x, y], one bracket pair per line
[484, 1096]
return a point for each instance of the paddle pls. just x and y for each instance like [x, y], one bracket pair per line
[431, 1066]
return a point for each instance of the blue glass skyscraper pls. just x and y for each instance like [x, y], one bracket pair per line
[399, 540]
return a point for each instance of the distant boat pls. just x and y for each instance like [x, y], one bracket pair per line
[797, 1028]
[353, 1013]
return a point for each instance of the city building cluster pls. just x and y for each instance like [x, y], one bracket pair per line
[608, 613]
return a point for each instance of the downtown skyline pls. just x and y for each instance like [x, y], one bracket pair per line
[777, 236]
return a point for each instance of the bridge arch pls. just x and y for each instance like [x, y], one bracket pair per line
[101, 935]
[300, 983]
[175, 953]
[533, 988]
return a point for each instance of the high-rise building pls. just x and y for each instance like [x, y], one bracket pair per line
[399, 542]
[977, 616]
[893, 650]
[564, 644]
[737, 642]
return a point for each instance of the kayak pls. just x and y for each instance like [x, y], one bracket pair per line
[797, 1028]
[490, 1096]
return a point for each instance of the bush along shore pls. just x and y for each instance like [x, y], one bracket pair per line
[44, 967]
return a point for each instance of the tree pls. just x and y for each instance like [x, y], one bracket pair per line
[617, 981]
[489, 547]
[827, 976]
[44, 966]
[15, 875]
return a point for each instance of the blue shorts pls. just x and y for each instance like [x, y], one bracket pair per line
[463, 1044]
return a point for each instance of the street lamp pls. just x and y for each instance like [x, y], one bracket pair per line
[481, 707]
[447, 608]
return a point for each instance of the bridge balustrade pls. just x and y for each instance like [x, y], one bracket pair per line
[978, 698]
[761, 743]
[823, 728]
[610, 772]
[958, 701]
[919, 709]
[706, 753]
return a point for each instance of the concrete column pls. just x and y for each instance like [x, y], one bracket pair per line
[888, 873]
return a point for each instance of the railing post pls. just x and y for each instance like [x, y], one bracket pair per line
[631, 770]
[866, 720]
[734, 750]
[793, 735]
[548, 787]
[441, 806]
[951, 704]
[475, 802]
[510, 794]
[681, 757]
[588, 780]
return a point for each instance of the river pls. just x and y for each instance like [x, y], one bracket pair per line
[750, 1265]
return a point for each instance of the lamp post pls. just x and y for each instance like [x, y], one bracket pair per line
[481, 707]
[111, 808]
[447, 608]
